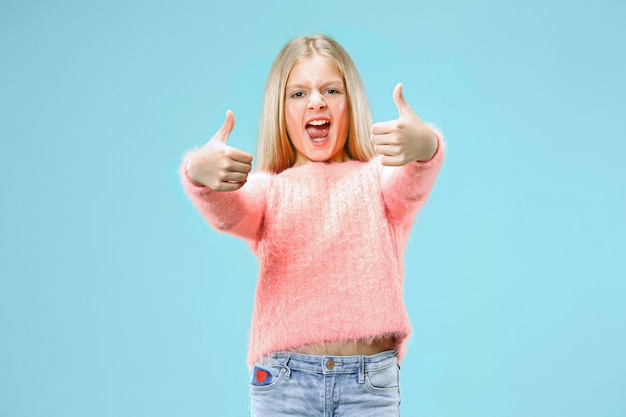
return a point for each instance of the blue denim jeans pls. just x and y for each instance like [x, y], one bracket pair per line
[291, 384]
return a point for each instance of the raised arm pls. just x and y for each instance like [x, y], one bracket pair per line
[216, 179]
[412, 154]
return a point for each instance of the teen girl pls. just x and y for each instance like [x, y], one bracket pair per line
[328, 214]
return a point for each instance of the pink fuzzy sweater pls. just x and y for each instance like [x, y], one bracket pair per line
[330, 241]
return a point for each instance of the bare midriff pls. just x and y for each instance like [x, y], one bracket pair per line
[348, 348]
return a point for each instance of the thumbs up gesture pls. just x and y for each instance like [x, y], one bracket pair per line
[405, 139]
[217, 165]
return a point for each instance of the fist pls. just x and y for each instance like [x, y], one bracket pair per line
[218, 166]
[405, 139]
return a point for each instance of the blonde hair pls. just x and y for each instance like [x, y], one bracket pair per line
[275, 151]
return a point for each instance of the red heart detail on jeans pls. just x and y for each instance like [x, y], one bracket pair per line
[260, 376]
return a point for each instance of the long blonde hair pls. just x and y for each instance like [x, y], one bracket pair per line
[275, 151]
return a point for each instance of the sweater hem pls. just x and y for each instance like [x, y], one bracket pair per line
[399, 338]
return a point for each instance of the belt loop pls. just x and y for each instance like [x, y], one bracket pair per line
[286, 368]
[361, 370]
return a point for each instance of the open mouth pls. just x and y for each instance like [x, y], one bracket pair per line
[318, 130]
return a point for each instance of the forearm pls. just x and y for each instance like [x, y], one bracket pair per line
[238, 212]
[406, 188]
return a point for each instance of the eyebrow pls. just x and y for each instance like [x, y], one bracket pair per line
[326, 84]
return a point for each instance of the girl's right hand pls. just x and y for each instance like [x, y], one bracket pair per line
[218, 166]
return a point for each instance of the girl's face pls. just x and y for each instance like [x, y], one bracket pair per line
[316, 111]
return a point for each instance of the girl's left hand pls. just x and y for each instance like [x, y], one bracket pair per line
[405, 139]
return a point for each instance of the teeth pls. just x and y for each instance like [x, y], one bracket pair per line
[318, 122]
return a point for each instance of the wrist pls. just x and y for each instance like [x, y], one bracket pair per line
[189, 172]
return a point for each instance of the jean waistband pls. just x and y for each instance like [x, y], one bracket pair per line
[329, 364]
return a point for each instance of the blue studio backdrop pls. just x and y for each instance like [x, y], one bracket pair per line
[116, 299]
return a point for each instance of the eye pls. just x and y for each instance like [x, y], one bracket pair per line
[297, 94]
[332, 91]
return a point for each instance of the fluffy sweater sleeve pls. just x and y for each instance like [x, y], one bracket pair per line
[239, 213]
[405, 189]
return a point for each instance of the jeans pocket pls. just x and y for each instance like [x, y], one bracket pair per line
[266, 377]
[384, 379]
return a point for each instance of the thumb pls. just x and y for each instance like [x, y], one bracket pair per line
[227, 127]
[401, 104]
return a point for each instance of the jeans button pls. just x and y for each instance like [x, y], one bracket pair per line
[330, 365]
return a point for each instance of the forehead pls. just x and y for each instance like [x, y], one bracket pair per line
[313, 70]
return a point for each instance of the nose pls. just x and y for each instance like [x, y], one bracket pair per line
[316, 101]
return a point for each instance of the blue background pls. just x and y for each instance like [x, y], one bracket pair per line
[117, 300]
